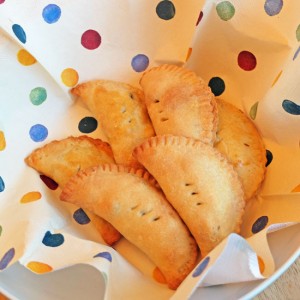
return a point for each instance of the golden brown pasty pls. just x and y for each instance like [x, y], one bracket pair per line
[61, 159]
[180, 103]
[127, 199]
[121, 113]
[240, 141]
[200, 184]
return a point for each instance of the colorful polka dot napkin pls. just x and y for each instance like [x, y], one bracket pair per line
[247, 51]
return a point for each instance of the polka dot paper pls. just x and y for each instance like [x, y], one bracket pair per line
[246, 51]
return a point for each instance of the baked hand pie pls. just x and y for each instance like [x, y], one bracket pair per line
[199, 183]
[180, 103]
[61, 159]
[129, 200]
[121, 113]
[240, 141]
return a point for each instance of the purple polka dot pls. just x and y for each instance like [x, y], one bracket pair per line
[296, 53]
[199, 270]
[140, 62]
[260, 224]
[273, 7]
[51, 13]
[7, 258]
[19, 33]
[38, 133]
[105, 255]
[81, 217]
[53, 240]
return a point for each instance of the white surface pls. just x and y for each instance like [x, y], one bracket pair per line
[85, 281]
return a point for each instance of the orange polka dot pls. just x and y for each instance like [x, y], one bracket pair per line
[39, 267]
[189, 54]
[25, 58]
[2, 141]
[261, 264]
[276, 78]
[296, 189]
[158, 276]
[69, 77]
[30, 197]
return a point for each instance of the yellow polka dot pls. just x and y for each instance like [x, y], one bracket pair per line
[277, 77]
[69, 77]
[2, 141]
[296, 189]
[261, 264]
[39, 267]
[158, 276]
[25, 58]
[188, 54]
[30, 197]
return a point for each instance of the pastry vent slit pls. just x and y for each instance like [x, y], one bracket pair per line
[134, 207]
[143, 212]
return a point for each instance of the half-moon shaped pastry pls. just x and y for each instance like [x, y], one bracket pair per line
[61, 159]
[128, 199]
[121, 113]
[200, 184]
[180, 103]
[239, 140]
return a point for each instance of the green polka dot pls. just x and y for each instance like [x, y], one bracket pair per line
[0, 230]
[225, 10]
[253, 111]
[298, 33]
[38, 95]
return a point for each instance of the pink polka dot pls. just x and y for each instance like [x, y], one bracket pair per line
[91, 39]
[2, 1]
[246, 60]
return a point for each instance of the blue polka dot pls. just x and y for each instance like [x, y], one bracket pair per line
[81, 217]
[291, 107]
[217, 85]
[199, 270]
[105, 255]
[269, 156]
[38, 133]
[140, 62]
[53, 240]
[2, 185]
[51, 13]
[19, 33]
[165, 10]
[87, 125]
